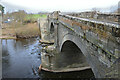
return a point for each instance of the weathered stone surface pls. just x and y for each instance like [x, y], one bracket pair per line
[97, 40]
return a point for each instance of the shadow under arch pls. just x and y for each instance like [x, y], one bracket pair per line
[74, 57]
[51, 28]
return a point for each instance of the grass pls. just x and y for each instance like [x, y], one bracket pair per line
[30, 29]
[16, 28]
[35, 16]
[26, 28]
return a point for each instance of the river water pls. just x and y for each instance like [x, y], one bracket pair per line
[21, 59]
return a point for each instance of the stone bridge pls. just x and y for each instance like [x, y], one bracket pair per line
[81, 43]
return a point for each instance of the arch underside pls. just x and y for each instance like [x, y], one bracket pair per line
[73, 47]
[51, 28]
[51, 31]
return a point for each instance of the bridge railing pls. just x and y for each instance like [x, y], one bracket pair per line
[97, 15]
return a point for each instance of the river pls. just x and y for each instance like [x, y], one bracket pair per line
[21, 59]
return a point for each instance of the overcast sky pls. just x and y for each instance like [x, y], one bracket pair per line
[53, 5]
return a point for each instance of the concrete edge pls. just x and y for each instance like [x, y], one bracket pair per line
[67, 70]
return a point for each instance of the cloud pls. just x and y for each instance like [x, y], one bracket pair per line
[62, 5]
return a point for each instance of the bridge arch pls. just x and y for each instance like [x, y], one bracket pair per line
[52, 27]
[75, 46]
[75, 57]
[70, 46]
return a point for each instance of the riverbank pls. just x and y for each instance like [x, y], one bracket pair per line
[16, 30]
[7, 37]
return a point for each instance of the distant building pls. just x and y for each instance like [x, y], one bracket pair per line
[1, 12]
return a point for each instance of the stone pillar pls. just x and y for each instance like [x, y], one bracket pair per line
[1, 16]
[0, 45]
[56, 29]
[0, 62]
[56, 35]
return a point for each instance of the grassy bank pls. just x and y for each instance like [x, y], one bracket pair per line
[18, 30]
[21, 25]
[35, 16]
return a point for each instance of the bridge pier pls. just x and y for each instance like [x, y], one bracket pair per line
[55, 61]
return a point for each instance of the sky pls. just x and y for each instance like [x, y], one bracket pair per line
[34, 6]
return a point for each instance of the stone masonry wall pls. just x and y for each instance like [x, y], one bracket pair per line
[97, 15]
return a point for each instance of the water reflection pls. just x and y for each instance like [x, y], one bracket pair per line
[17, 60]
